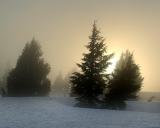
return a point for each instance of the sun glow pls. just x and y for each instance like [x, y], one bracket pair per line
[112, 65]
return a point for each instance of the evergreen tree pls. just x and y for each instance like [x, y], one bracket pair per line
[126, 79]
[67, 79]
[29, 77]
[91, 80]
[60, 85]
[3, 81]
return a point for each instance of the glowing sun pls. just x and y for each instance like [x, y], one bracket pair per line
[112, 66]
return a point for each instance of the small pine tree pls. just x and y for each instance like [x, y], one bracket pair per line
[29, 77]
[67, 79]
[59, 86]
[3, 82]
[91, 81]
[126, 79]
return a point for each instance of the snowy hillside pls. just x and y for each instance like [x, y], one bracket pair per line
[57, 112]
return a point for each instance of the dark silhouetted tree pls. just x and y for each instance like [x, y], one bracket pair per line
[126, 79]
[91, 80]
[29, 77]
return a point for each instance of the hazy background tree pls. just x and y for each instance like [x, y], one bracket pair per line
[91, 81]
[126, 79]
[60, 86]
[3, 80]
[67, 79]
[29, 77]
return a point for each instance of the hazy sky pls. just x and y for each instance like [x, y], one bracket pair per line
[62, 27]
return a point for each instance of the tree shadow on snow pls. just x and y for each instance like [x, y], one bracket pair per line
[112, 105]
[115, 105]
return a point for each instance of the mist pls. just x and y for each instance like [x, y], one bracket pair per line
[62, 28]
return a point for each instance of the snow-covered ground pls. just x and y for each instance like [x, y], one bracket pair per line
[55, 112]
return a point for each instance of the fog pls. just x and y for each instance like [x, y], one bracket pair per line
[62, 28]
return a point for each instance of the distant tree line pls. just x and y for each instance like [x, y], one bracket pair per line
[91, 83]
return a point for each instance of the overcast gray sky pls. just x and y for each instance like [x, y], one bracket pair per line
[62, 27]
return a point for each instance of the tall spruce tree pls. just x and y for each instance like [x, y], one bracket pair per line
[91, 80]
[126, 79]
[29, 77]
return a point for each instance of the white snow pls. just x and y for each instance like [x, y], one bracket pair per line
[55, 112]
